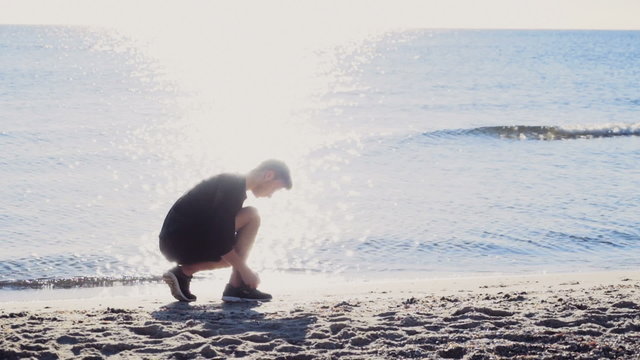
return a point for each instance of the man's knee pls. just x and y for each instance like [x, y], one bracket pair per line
[247, 215]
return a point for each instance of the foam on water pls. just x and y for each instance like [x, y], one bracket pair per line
[531, 132]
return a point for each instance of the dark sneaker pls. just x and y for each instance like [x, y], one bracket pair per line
[179, 284]
[243, 294]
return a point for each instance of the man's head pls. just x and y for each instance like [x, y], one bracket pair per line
[269, 177]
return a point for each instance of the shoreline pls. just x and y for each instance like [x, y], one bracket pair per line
[556, 316]
[300, 287]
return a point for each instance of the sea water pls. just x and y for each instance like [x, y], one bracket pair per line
[413, 152]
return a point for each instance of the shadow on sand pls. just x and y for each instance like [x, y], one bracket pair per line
[235, 323]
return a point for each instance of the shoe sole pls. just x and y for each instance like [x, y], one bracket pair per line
[172, 281]
[233, 299]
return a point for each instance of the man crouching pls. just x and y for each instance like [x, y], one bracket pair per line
[208, 228]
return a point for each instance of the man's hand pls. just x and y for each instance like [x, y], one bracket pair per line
[249, 277]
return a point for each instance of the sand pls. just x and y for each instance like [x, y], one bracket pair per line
[560, 316]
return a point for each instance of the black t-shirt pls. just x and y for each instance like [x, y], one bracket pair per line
[206, 214]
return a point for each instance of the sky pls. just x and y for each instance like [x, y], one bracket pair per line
[476, 14]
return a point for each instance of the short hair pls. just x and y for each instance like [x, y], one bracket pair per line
[280, 169]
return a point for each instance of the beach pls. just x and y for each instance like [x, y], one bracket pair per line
[542, 316]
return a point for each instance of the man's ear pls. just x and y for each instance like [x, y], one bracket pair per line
[268, 175]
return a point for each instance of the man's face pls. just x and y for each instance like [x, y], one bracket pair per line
[267, 186]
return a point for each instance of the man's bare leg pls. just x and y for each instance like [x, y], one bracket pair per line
[191, 269]
[247, 225]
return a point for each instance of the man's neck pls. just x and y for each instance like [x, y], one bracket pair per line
[251, 181]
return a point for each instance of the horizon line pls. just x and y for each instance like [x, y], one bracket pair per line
[412, 27]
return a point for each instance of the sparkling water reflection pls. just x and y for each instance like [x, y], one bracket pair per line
[404, 147]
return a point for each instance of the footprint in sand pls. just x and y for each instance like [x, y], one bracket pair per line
[289, 349]
[257, 338]
[482, 310]
[226, 341]
[336, 327]
[153, 331]
[626, 305]
[360, 341]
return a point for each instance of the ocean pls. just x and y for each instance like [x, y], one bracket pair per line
[414, 153]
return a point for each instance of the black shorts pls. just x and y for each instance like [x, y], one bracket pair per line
[190, 250]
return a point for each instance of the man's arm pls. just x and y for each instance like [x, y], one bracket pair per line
[249, 277]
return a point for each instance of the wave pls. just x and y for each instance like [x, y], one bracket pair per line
[76, 282]
[545, 132]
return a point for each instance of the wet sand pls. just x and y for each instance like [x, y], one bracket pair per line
[563, 316]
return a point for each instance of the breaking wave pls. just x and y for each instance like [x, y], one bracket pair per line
[546, 132]
[77, 282]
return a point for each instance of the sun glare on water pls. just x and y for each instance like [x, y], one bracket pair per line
[218, 86]
[249, 83]
[249, 79]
